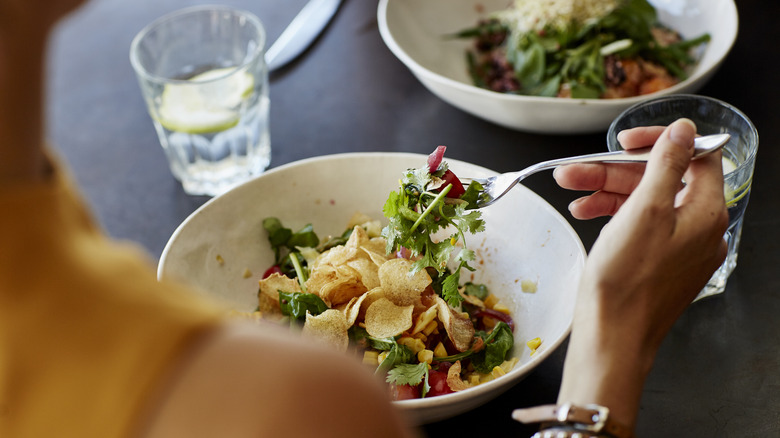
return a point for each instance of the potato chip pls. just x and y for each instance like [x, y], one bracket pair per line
[453, 378]
[352, 309]
[367, 270]
[370, 296]
[378, 258]
[338, 255]
[373, 227]
[459, 328]
[384, 319]
[341, 291]
[377, 245]
[335, 284]
[270, 287]
[266, 304]
[474, 301]
[400, 286]
[358, 218]
[358, 238]
[330, 327]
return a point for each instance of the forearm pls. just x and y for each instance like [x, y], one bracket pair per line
[604, 366]
[22, 60]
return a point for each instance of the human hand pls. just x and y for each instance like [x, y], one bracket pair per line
[648, 264]
[610, 182]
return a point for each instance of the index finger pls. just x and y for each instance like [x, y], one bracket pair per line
[639, 137]
[669, 160]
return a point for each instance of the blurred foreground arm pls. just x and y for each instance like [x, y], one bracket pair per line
[218, 378]
[647, 265]
[25, 26]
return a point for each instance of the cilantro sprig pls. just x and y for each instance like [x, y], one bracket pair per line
[418, 211]
[410, 374]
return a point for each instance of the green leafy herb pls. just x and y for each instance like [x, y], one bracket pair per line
[497, 345]
[397, 354]
[285, 242]
[296, 304]
[476, 290]
[417, 211]
[573, 54]
[410, 374]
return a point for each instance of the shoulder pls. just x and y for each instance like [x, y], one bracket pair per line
[250, 381]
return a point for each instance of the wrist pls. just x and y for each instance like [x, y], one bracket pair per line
[607, 366]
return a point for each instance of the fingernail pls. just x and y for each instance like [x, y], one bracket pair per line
[682, 132]
[620, 136]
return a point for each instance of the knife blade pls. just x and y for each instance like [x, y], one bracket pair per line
[301, 32]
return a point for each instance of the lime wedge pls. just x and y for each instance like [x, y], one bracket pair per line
[208, 102]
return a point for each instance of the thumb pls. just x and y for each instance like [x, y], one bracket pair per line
[669, 159]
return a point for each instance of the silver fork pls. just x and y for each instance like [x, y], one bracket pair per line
[495, 187]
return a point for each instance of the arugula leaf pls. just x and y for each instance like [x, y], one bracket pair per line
[284, 242]
[296, 304]
[303, 237]
[358, 335]
[476, 290]
[497, 345]
[277, 235]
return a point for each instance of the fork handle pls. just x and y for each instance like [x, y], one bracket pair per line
[701, 146]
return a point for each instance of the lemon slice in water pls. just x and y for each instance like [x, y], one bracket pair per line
[732, 194]
[205, 103]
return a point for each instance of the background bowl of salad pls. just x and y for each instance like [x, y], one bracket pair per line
[529, 257]
[422, 35]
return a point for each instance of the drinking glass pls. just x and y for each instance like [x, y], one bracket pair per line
[203, 76]
[711, 116]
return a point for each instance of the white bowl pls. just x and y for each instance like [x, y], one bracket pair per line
[526, 239]
[414, 31]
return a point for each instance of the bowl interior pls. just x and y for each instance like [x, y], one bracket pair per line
[525, 239]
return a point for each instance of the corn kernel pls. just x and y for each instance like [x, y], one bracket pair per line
[534, 343]
[491, 301]
[508, 364]
[528, 286]
[498, 372]
[421, 337]
[381, 357]
[371, 358]
[220, 260]
[501, 308]
[433, 325]
[414, 344]
[425, 356]
[473, 379]
[247, 273]
[440, 351]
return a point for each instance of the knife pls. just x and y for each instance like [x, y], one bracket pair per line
[301, 32]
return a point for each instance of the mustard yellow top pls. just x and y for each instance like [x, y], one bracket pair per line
[86, 331]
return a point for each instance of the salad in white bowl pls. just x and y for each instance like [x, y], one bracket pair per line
[420, 35]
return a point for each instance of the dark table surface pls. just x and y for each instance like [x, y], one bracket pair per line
[717, 374]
